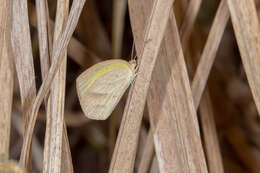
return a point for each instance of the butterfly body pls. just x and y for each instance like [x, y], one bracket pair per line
[101, 86]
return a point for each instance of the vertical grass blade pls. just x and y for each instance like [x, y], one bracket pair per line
[246, 25]
[125, 149]
[6, 77]
[59, 47]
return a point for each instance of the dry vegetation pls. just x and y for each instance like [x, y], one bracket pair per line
[193, 106]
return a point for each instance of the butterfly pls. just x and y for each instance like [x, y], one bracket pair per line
[102, 85]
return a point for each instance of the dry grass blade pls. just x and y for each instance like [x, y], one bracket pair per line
[148, 154]
[246, 25]
[118, 24]
[44, 35]
[163, 106]
[6, 77]
[138, 21]
[188, 21]
[45, 44]
[125, 150]
[6, 98]
[22, 52]
[154, 167]
[66, 166]
[141, 146]
[213, 156]
[209, 52]
[212, 148]
[62, 43]
[55, 111]
[190, 148]
[3, 22]
[185, 30]
[37, 151]
[206, 110]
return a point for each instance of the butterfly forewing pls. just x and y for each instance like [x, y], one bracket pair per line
[101, 87]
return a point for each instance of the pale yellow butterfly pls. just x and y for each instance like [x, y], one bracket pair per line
[101, 86]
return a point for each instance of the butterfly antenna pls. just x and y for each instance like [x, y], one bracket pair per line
[133, 57]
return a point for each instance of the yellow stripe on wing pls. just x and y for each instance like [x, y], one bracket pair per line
[104, 71]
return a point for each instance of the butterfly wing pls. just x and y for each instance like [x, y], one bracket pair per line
[99, 97]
